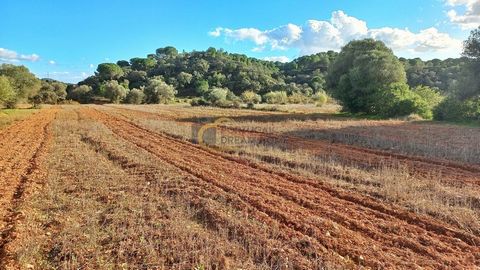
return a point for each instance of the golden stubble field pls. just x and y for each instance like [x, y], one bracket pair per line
[129, 187]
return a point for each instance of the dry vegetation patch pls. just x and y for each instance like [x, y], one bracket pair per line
[126, 189]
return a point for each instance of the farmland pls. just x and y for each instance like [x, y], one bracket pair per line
[129, 186]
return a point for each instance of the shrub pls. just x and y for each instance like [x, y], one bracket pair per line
[276, 97]
[115, 92]
[158, 91]
[320, 98]
[217, 95]
[44, 97]
[6, 90]
[399, 100]
[135, 96]
[251, 97]
[298, 98]
[81, 93]
[452, 109]
[199, 102]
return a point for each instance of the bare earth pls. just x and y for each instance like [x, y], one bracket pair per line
[99, 187]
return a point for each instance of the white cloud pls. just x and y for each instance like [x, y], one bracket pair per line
[216, 33]
[470, 18]
[282, 59]
[51, 62]
[91, 66]
[316, 36]
[7, 55]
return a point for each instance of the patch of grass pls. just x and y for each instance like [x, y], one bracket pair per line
[8, 116]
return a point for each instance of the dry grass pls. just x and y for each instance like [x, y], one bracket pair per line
[8, 116]
[458, 205]
[450, 142]
[420, 138]
[111, 205]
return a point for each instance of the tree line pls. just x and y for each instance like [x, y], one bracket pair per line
[365, 77]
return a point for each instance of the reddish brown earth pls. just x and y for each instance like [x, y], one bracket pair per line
[453, 173]
[22, 146]
[335, 225]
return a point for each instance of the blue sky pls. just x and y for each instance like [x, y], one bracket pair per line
[66, 40]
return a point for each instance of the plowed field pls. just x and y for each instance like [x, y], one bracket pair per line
[111, 192]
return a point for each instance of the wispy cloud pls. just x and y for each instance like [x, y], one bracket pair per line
[469, 17]
[7, 55]
[316, 36]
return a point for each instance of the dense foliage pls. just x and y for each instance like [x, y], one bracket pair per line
[23, 83]
[365, 77]
[203, 74]
[463, 102]
[361, 77]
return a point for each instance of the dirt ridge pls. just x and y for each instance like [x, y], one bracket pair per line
[370, 232]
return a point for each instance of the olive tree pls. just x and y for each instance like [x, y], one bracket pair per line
[135, 96]
[158, 91]
[115, 91]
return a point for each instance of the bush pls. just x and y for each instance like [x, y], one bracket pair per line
[217, 96]
[452, 109]
[199, 102]
[158, 91]
[81, 93]
[6, 90]
[276, 97]
[320, 98]
[400, 100]
[298, 98]
[135, 96]
[251, 98]
[115, 92]
[44, 97]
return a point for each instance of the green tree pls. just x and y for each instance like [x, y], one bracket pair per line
[201, 87]
[469, 85]
[115, 91]
[135, 96]
[6, 90]
[184, 79]
[168, 51]
[217, 95]
[142, 63]
[109, 71]
[24, 83]
[157, 91]
[81, 93]
[361, 71]
[51, 92]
